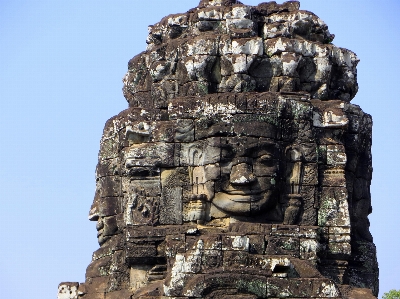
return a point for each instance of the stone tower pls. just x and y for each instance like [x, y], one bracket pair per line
[240, 169]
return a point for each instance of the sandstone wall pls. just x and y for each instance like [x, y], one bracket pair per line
[240, 168]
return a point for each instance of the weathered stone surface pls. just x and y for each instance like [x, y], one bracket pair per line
[240, 168]
[68, 290]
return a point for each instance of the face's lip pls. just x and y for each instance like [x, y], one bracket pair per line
[242, 191]
[243, 205]
[99, 227]
[244, 198]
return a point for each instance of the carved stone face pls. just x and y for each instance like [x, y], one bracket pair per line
[249, 168]
[154, 172]
[103, 211]
[235, 175]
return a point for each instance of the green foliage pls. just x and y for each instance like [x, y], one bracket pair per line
[393, 294]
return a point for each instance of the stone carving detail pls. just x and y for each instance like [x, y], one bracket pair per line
[240, 168]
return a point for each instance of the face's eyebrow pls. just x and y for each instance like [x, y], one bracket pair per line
[267, 147]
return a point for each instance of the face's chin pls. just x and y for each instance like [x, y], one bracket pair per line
[243, 204]
[102, 239]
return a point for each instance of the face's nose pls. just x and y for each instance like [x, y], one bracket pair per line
[242, 174]
[93, 215]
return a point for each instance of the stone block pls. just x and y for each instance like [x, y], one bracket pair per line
[324, 288]
[171, 198]
[109, 206]
[140, 99]
[247, 126]
[212, 127]
[227, 68]
[95, 296]
[123, 294]
[212, 242]
[201, 153]
[235, 259]
[181, 108]
[309, 196]
[212, 13]
[294, 288]
[336, 155]
[283, 246]
[285, 230]
[184, 131]
[175, 244]
[360, 293]
[333, 177]
[338, 250]
[68, 290]
[211, 260]
[244, 284]
[98, 268]
[239, 62]
[107, 249]
[149, 154]
[98, 285]
[256, 244]
[201, 46]
[334, 210]
[194, 211]
[109, 186]
[141, 254]
[247, 228]
[234, 242]
[329, 116]
[109, 167]
[364, 280]
[309, 249]
[138, 276]
[148, 233]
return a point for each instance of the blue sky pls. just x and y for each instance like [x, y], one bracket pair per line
[61, 65]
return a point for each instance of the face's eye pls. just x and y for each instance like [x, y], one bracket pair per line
[139, 172]
[143, 171]
[265, 159]
[135, 138]
[227, 154]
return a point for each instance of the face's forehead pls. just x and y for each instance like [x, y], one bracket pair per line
[146, 139]
[248, 146]
[188, 130]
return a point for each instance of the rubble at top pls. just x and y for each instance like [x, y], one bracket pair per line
[225, 46]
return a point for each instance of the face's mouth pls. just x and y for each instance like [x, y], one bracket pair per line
[245, 198]
[101, 239]
[239, 203]
[99, 227]
[245, 190]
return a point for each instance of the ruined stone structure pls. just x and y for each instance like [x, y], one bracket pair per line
[240, 168]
